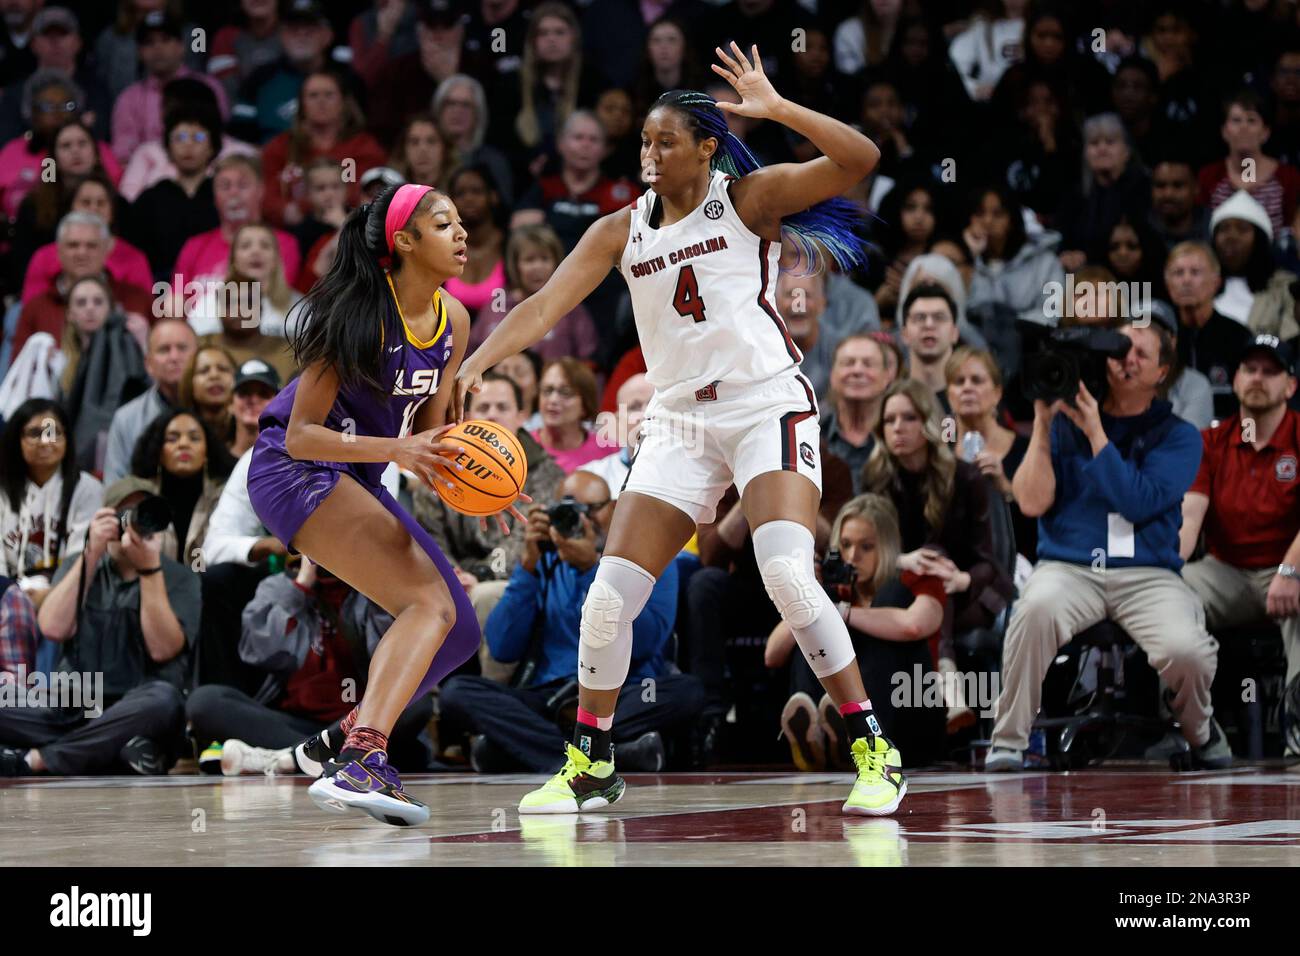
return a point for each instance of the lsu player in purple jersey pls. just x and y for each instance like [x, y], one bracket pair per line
[700, 253]
[379, 344]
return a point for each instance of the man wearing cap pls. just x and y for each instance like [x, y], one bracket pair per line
[1208, 341]
[137, 115]
[1246, 498]
[1190, 393]
[236, 547]
[137, 616]
[56, 44]
[268, 98]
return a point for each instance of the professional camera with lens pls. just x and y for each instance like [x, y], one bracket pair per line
[1057, 360]
[151, 515]
[838, 577]
[566, 518]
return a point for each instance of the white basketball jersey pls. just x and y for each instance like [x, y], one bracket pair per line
[703, 292]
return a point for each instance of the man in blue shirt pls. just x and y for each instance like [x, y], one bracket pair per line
[1107, 483]
[538, 618]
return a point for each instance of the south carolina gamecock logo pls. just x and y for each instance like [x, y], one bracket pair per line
[806, 453]
[1285, 470]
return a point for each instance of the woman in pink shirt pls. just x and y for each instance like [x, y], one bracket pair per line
[91, 193]
[568, 399]
[50, 102]
[479, 204]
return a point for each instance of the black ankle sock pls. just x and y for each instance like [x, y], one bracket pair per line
[593, 741]
[862, 724]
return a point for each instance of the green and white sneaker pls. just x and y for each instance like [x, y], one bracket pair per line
[210, 758]
[581, 785]
[880, 786]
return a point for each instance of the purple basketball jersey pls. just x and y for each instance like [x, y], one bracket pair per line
[415, 370]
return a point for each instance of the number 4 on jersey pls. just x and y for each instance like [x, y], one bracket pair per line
[686, 300]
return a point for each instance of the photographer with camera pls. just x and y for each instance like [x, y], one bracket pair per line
[538, 618]
[127, 611]
[891, 614]
[1106, 479]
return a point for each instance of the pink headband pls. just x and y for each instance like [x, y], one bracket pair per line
[400, 209]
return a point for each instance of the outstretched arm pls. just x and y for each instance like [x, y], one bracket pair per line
[766, 195]
[582, 270]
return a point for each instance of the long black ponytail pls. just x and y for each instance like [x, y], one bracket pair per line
[349, 312]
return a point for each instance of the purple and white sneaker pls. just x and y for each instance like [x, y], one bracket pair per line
[370, 785]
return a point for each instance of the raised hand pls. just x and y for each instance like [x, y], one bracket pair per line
[758, 98]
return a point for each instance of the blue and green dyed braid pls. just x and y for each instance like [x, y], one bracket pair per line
[835, 224]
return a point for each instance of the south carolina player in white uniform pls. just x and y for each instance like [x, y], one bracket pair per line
[699, 253]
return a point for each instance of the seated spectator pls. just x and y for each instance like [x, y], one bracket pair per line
[171, 343]
[189, 465]
[181, 204]
[483, 558]
[1187, 390]
[1011, 272]
[482, 284]
[1244, 499]
[82, 242]
[379, 36]
[326, 199]
[421, 153]
[1208, 341]
[238, 192]
[668, 62]
[510, 726]
[891, 615]
[1134, 254]
[256, 383]
[1037, 155]
[579, 194]
[1274, 185]
[50, 102]
[885, 122]
[18, 633]
[929, 331]
[124, 262]
[633, 397]
[533, 253]
[137, 110]
[90, 304]
[241, 48]
[622, 138]
[942, 506]
[254, 292]
[267, 101]
[936, 268]
[460, 106]
[803, 301]
[1255, 292]
[525, 370]
[134, 622]
[913, 218]
[1050, 55]
[1175, 215]
[306, 634]
[859, 377]
[567, 402]
[207, 388]
[1113, 183]
[1106, 483]
[1135, 93]
[329, 123]
[47, 501]
[56, 44]
[975, 397]
[74, 158]
[116, 55]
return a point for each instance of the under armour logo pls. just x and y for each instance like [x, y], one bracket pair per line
[583, 667]
[820, 653]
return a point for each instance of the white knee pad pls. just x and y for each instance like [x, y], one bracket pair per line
[614, 599]
[784, 551]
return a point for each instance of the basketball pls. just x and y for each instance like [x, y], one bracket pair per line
[495, 469]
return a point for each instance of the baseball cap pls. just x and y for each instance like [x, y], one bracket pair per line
[124, 488]
[255, 370]
[158, 21]
[1275, 347]
[55, 18]
[440, 14]
[390, 176]
[302, 11]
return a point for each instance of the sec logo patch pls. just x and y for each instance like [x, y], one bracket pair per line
[1285, 469]
[713, 209]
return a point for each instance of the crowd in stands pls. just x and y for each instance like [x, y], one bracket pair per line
[173, 179]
